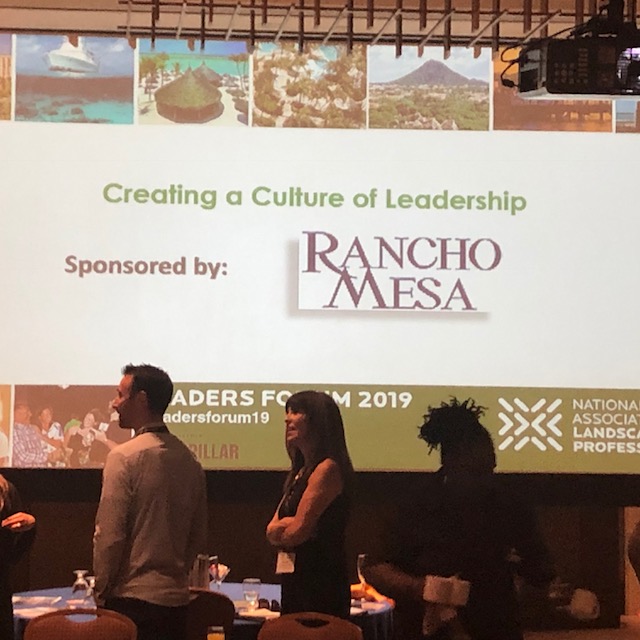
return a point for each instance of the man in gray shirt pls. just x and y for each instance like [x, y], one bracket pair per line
[151, 520]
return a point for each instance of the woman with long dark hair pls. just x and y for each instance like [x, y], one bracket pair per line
[308, 527]
[17, 530]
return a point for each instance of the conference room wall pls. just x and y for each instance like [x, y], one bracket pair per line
[580, 517]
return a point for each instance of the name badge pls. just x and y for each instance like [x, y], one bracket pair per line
[286, 562]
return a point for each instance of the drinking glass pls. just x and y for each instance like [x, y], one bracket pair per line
[91, 588]
[362, 559]
[80, 583]
[199, 575]
[215, 633]
[215, 571]
[251, 591]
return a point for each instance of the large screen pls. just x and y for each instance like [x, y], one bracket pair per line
[331, 242]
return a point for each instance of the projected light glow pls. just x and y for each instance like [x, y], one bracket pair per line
[390, 268]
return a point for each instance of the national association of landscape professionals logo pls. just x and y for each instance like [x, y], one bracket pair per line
[524, 425]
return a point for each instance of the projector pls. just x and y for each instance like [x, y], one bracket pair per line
[598, 60]
[598, 67]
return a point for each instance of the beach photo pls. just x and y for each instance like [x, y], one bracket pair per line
[627, 116]
[74, 79]
[201, 86]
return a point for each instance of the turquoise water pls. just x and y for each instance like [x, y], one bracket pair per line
[48, 109]
[216, 63]
[316, 68]
[114, 112]
[329, 51]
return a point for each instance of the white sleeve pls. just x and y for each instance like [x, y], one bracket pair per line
[111, 532]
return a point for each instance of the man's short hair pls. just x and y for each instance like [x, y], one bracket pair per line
[155, 382]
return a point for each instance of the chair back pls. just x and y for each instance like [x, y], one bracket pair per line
[81, 624]
[309, 626]
[208, 609]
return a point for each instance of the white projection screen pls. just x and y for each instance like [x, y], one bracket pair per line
[392, 239]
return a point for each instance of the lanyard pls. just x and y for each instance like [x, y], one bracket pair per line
[153, 428]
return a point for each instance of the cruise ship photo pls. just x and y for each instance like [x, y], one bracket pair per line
[73, 79]
[72, 58]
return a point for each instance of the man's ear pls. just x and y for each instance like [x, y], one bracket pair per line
[141, 397]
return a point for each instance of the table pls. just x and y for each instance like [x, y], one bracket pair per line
[375, 620]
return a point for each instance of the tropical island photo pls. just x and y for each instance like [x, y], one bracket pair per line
[428, 92]
[74, 79]
[209, 86]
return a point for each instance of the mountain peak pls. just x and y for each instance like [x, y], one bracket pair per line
[435, 72]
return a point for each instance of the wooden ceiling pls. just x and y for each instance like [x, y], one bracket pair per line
[446, 23]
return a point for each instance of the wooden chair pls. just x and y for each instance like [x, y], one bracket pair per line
[81, 624]
[208, 609]
[309, 626]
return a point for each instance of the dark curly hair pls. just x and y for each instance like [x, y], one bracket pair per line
[454, 427]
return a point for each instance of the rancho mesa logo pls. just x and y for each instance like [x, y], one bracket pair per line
[424, 273]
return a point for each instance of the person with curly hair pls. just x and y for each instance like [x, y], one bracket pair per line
[462, 524]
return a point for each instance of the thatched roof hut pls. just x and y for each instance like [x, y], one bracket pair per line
[189, 99]
[205, 73]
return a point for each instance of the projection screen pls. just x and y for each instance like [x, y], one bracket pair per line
[390, 264]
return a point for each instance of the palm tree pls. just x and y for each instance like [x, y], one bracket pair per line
[161, 61]
[241, 60]
[148, 70]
